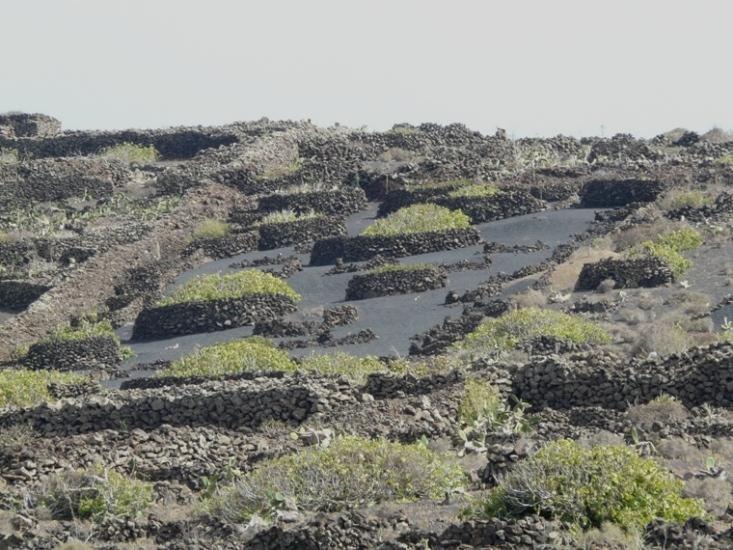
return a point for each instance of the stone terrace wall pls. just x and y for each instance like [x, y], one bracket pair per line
[209, 316]
[399, 198]
[277, 235]
[504, 204]
[363, 247]
[229, 403]
[89, 353]
[176, 143]
[701, 375]
[18, 295]
[602, 193]
[628, 273]
[22, 125]
[227, 246]
[387, 283]
[340, 202]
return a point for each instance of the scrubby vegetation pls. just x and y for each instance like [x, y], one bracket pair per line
[95, 493]
[475, 191]
[483, 410]
[418, 218]
[282, 170]
[24, 387]
[401, 267]
[232, 285]
[351, 472]
[681, 199]
[519, 327]
[588, 487]
[440, 184]
[9, 156]
[286, 216]
[211, 229]
[669, 248]
[229, 358]
[132, 153]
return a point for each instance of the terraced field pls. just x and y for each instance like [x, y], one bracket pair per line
[270, 335]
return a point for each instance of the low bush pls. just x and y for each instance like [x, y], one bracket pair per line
[286, 216]
[351, 472]
[23, 387]
[680, 199]
[669, 248]
[211, 229]
[520, 326]
[483, 410]
[474, 191]
[418, 218]
[401, 267]
[131, 153]
[282, 170]
[233, 285]
[441, 184]
[9, 156]
[664, 409]
[230, 358]
[95, 494]
[588, 487]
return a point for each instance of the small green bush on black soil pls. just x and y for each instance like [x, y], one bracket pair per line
[418, 218]
[520, 326]
[474, 191]
[23, 387]
[233, 285]
[211, 229]
[588, 487]
[669, 248]
[694, 199]
[9, 156]
[351, 472]
[95, 494]
[401, 267]
[131, 152]
[229, 358]
[483, 410]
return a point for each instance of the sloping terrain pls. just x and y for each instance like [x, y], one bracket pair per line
[273, 335]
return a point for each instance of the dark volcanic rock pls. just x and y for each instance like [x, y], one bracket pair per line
[18, 295]
[628, 273]
[610, 193]
[365, 247]
[277, 235]
[395, 281]
[65, 355]
[339, 202]
[209, 316]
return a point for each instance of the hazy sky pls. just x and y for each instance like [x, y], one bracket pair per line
[534, 67]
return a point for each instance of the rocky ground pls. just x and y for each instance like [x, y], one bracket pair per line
[618, 249]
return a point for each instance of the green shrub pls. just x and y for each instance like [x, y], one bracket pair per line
[131, 152]
[211, 229]
[695, 199]
[282, 170]
[9, 156]
[234, 285]
[229, 358]
[520, 326]
[351, 472]
[726, 160]
[443, 184]
[669, 246]
[418, 218]
[476, 190]
[587, 487]
[483, 410]
[286, 216]
[95, 494]
[401, 267]
[24, 387]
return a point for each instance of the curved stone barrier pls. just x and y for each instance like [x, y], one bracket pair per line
[228, 403]
[627, 273]
[340, 202]
[278, 235]
[395, 281]
[610, 193]
[365, 247]
[18, 295]
[209, 316]
[67, 355]
[399, 198]
[226, 246]
[504, 204]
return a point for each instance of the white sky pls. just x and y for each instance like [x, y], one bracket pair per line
[534, 67]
